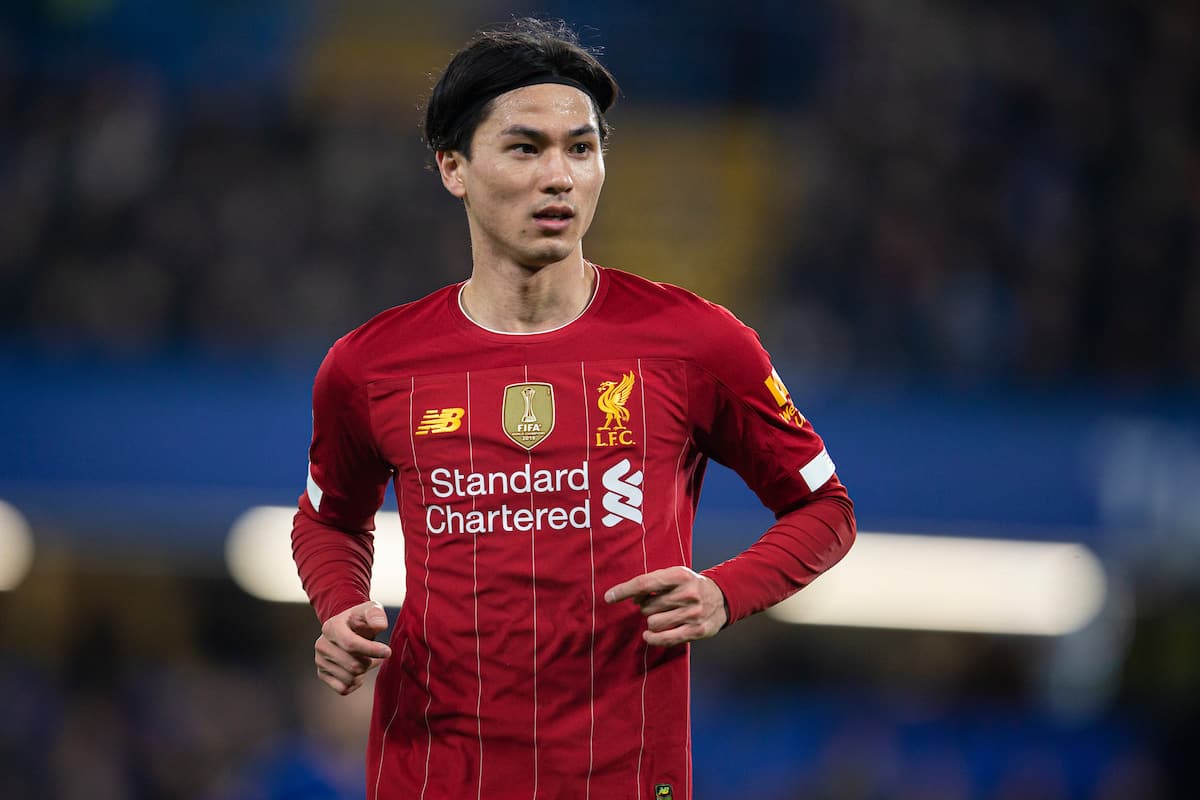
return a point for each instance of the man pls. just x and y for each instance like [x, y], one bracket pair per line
[546, 425]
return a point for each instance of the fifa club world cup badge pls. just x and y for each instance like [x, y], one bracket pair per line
[663, 791]
[528, 413]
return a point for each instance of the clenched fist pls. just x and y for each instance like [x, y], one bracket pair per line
[346, 650]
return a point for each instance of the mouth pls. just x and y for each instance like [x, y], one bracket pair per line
[554, 218]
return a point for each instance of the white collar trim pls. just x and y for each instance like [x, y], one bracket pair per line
[592, 299]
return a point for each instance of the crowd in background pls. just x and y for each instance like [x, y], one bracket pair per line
[973, 192]
[1011, 189]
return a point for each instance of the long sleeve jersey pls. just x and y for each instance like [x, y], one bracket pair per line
[532, 473]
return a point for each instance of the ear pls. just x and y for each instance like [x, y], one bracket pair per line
[450, 165]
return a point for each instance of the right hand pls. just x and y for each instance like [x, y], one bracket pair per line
[346, 650]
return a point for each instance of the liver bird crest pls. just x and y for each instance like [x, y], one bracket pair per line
[613, 396]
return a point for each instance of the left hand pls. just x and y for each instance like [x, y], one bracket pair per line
[680, 605]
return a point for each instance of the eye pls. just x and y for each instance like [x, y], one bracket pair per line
[581, 148]
[524, 148]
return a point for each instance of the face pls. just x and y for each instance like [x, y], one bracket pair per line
[533, 178]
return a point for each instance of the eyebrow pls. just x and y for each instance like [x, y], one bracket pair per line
[534, 133]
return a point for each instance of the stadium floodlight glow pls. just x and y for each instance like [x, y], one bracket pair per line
[887, 580]
[258, 553]
[948, 583]
[16, 547]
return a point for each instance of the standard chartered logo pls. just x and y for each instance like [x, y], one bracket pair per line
[623, 500]
[524, 516]
[513, 501]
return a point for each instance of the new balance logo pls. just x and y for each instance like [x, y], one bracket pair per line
[623, 500]
[446, 420]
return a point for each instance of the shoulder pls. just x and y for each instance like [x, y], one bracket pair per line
[709, 334]
[642, 295]
[390, 331]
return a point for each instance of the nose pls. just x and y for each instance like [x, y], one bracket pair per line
[556, 173]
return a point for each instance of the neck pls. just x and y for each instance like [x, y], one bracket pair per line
[505, 296]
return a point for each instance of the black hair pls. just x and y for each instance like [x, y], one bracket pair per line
[501, 58]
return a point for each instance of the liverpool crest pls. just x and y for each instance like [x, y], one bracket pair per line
[613, 397]
[528, 413]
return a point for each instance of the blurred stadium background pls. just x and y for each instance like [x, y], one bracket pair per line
[969, 233]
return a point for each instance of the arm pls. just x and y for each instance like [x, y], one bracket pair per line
[681, 605]
[335, 570]
[332, 541]
[334, 563]
[743, 417]
[801, 545]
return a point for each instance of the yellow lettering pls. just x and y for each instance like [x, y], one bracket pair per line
[777, 389]
[612, 438]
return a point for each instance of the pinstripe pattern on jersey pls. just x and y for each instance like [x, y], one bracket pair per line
[388, 727]
[587, 426]
[425, 611]
[475, 598]
[533, 588]
[645, 568]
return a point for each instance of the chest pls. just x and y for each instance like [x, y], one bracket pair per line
[553, 416]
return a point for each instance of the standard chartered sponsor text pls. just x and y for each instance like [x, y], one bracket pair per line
[456, 485]
[444, 519]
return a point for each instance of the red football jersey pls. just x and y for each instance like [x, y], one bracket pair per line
[533, 472]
